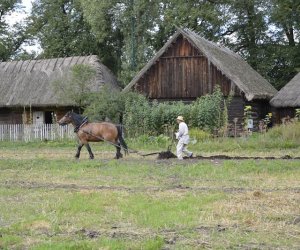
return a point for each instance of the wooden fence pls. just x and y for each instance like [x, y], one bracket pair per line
[24, 132]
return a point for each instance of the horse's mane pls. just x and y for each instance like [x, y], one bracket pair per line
[78, 120]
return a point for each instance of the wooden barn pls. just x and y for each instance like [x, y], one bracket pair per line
[189, 66]
[27, 93]
[287, 99]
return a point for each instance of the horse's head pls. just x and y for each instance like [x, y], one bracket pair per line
[67, 118]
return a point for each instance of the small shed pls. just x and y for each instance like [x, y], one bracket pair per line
[287, 100]
[27, 94]
[189, 66]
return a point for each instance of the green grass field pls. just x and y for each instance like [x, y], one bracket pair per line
[48, 200]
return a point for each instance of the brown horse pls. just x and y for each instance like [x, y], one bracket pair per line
[94, 132]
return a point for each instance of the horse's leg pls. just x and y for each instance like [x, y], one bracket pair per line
[118, 154]
[90, 151]
[78, 150]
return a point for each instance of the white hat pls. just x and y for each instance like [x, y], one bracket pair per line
[180, 118]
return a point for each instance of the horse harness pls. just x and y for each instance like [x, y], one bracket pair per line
[84, 121]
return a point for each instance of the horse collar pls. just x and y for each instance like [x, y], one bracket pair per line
[84, 121]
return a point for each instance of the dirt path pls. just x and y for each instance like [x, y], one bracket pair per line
[168, 155]
[38, 185]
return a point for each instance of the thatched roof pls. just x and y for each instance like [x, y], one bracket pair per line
[289, 95]
[24, 83]
[231, 64]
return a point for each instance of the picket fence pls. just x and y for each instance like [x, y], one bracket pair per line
[32, 132]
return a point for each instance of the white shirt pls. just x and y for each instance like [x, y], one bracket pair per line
[183, 133]
[183, 129]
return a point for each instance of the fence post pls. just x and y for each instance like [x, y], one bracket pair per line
[29, 132]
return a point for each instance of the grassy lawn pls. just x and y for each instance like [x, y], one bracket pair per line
[51, 201]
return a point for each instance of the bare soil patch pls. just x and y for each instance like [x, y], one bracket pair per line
[173, 188]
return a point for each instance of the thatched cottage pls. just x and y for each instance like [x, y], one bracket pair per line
[27, 93]
[287, 99]
[189, 66]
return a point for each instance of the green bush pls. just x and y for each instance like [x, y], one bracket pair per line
[137, 115]
[152, 118]
[206, 112]
[142, 117]
[289, 131]
[106, 104]
[199, 134]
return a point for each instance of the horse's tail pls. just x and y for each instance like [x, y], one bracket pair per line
[121, 139]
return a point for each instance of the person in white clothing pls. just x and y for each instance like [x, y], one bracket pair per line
[183, 139]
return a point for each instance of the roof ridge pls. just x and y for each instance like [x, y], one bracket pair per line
[29, 81]
[289, 95]
[228, 62]
[46, 59]
[214, 44]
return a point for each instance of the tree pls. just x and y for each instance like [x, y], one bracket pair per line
[102, 16]
[61, 30]
[247, 27]
[126, 27]
[76, 87]
[11, 38]
[136, 29]
[125, 34]
[285, 16]
[106, 104]
[202, 16]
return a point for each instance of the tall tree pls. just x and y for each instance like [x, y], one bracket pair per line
[11, 38]
[103, 18]
[246, 27]
[126, 27]
[63, 31]
[285, 17]
[141, 27]
[251, 30]
[126, 33]
[203, 16]
[76, 87]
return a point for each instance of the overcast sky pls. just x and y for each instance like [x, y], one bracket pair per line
[19, 15]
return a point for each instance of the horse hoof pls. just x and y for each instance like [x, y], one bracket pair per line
[118, 156]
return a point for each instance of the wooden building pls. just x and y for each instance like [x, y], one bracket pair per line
[27, 93]
[287, 99]
[189, 66]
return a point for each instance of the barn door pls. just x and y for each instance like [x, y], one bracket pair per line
[38, 117]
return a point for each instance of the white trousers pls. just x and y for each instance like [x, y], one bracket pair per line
[182, 149]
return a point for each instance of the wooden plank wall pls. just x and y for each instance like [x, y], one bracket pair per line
[185, 73]
[8, 116]
[182, 72]
[236, 110]
[284, 113]
[60, 112]
[15, 116]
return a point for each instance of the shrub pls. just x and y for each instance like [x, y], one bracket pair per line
[297, 114]
[143, 117]
[137, 119]
[199, 134]
[290, 131]
[106, 104]
[77, 86]
[206, 111]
